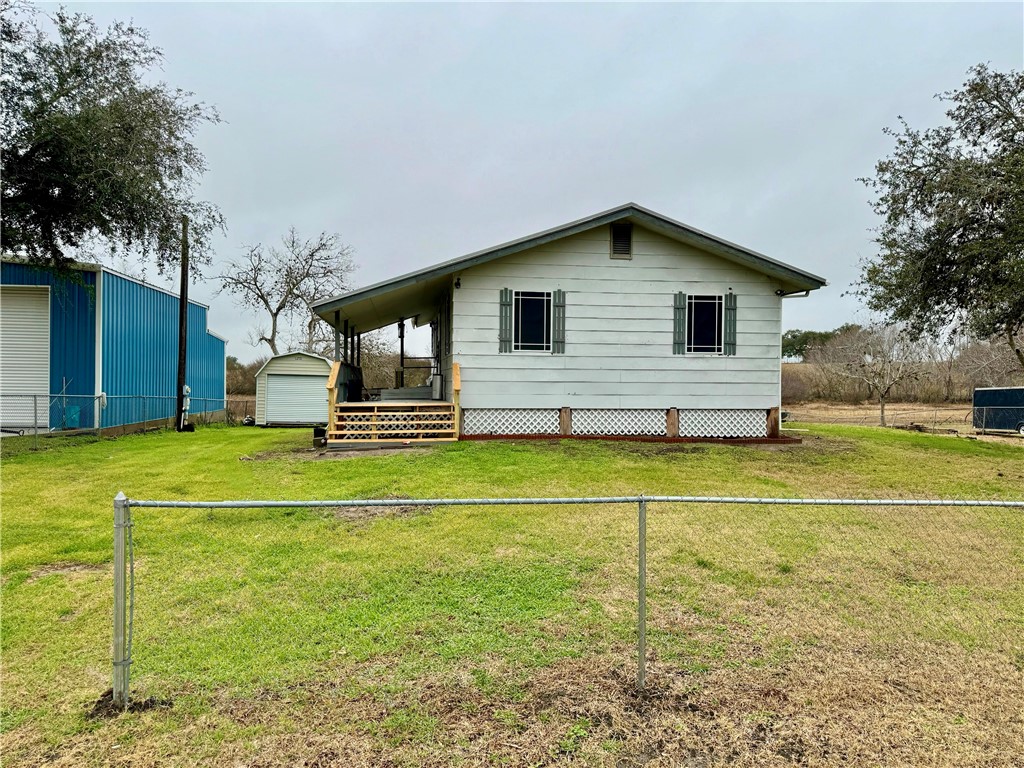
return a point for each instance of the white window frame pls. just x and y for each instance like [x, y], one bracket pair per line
[546, 296]
[718, 299]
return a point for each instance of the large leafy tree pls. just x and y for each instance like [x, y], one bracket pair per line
[951, 198]
[796, 342]
[92, 147]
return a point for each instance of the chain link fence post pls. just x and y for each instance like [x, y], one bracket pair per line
[641, 588]
[35, 422]
[121, 659]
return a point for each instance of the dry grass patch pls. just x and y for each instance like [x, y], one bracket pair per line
[829, 704]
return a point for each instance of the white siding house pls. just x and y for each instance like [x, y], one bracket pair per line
[292, 389]
[624, 323]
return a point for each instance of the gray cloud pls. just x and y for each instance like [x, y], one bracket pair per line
[422, 132]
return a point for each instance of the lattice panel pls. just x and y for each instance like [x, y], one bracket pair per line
[510, 421]
[721, 422]
[394, 425]
[618, 421]
[388, 421]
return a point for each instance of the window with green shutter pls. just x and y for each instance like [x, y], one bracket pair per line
[505, 320]
[558, 323]
[704, 324]
[679, 324]
[729, 341]
[531, 321]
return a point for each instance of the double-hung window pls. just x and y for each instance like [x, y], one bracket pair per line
[531, 321]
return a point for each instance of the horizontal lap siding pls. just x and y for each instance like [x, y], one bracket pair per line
[618, 351]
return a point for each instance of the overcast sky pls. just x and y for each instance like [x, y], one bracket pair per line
[424, 132]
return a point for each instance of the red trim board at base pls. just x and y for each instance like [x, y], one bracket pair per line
[647, 439]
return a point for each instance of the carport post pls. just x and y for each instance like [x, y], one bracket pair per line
[337, 336]
[641, 603]
[120, 662]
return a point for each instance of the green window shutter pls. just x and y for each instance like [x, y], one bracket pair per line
[679, 324]
[558, 323]
[729, 325]
[505, 321]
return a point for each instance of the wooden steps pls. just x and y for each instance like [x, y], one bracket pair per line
[420, 421]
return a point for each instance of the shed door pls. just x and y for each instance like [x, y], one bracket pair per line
[24, 355]
[296, 399]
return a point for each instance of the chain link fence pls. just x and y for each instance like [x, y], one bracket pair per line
[242, 593]
[67, 414]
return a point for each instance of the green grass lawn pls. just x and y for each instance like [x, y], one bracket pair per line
[502, 635]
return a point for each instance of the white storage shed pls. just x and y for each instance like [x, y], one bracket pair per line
[291, 389]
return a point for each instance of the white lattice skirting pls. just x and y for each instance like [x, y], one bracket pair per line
[618, 421]
[693, 422]
[510, 421]
[723, 422]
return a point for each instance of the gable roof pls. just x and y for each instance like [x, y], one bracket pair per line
[416, 292]
[291, 354]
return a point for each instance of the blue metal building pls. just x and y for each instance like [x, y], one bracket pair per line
[102, 347]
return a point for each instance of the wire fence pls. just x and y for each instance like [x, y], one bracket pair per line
[63, 413]
[240, 592]
[949, 417]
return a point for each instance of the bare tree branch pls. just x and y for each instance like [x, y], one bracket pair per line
[280, 283]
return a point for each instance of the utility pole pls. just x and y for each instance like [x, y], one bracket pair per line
[179, 420]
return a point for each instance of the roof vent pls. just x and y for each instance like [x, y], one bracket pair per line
[622, 240]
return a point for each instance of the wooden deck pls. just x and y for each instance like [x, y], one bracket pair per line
[414, 421]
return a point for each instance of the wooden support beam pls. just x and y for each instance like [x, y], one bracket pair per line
[359, 351]
[344, 343]
[565, 421]
[672, 422]
[456, 397]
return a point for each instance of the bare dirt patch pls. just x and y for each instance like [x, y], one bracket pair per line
[405, 450]
[104, 706]
[320, 454]
[63, 569]
[358, 514]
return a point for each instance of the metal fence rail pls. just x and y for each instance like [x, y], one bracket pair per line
[41, 414]
[124, 576]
